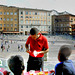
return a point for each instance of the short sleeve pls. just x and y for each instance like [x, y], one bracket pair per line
[28, 41]
[46, 44]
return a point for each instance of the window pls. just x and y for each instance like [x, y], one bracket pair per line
[15, 25]
[41, 22]
[38, 17]
[4, 13]
[41, 14]
[38, 22]
[48, 22]
[29, 22]
[48, 14]
[41, 17]
[21, 21]
[4, 28]
[35, 13]
[21, 29]
[7, 25]
[30, 17]
[0, 13]
[26, 16]
[4, 25]
[26, 22]
[11, 19]
[35, 22]
[21, 12]
[35, 17]
[7, 13]
[11, 29]
[21, 26]
[26, 12]
[29, 13]
[44, 14]
[7, 19]
[21, 16]
[15, 19]
[44, 17]
[0, 25]
[15, 29]
[49, 26]
[11, 13]
[0, 19]
[4, 19]
[38, 13]
[44, 22]
[15, 13]
[11, 25]
[26, 26]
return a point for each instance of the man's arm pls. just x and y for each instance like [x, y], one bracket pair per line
[27, 48]
[44, 51]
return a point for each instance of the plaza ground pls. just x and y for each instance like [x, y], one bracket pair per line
[55, 42]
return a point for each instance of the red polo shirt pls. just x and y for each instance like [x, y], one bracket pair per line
[37, 45]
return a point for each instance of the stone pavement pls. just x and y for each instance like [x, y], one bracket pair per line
[55, 42]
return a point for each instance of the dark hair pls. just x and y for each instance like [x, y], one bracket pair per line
[64, 53]
[16, 64]
[34, 31]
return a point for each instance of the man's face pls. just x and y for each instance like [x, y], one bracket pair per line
[35, 36]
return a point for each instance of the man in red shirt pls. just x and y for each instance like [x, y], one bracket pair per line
[38, 46]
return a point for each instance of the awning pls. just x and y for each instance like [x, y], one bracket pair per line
[21, 31]
[43, 32]
[11, 32]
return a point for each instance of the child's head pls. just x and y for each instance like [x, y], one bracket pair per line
[16, 64]
[64, 53]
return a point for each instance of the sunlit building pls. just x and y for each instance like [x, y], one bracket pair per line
[63, 24]
[38, 18]
[9, 19]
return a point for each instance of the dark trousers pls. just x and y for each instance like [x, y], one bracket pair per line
[34, 63]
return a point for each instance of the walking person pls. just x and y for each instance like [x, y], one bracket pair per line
[8, 48]
[38, 47]
[2, 47]
[18, 47]
[22, 48]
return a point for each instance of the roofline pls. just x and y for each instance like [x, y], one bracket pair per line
[65, 15]
[35, 9]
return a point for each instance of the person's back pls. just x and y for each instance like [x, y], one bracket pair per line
[65, 67]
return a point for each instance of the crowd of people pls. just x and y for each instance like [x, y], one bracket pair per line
[20, 47]
[37, 45]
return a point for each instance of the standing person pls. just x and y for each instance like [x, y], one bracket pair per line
[65, 67]
[18, 47]
[38, 46]
[22, 48]
[2, 47]
[8, 48]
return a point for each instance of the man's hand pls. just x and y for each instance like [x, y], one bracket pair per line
[28, 51]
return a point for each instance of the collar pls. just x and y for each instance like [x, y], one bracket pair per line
[40, 37]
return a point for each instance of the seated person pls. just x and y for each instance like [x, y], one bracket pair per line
[16, 64]
[65, 67]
